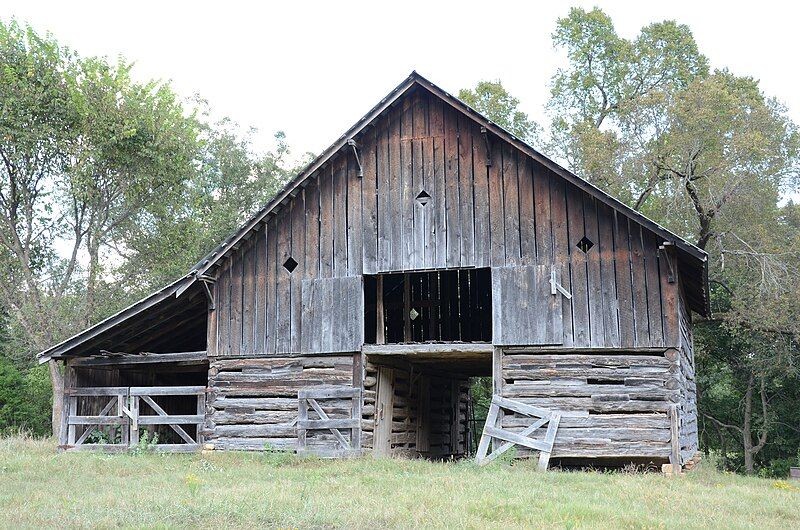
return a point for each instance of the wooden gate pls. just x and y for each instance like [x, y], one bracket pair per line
[524, 438]
[121, 416]
[344, 418]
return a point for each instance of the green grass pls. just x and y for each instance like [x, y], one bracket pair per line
[40, 487]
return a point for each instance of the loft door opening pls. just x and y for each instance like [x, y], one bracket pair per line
[434, 306]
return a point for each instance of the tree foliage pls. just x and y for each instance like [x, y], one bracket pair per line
[109, 187]
[492, 100]
[709, 155]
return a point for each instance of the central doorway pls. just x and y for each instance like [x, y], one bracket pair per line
[424, 400]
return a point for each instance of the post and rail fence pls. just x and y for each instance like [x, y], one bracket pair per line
[122, 415]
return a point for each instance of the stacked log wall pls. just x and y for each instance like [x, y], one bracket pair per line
[253, 405]
[627, 396]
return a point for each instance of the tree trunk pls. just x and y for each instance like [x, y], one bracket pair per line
[91, 280]
[747, 436]
[57, 379]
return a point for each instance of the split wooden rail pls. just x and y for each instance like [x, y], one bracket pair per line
[123, 411]
[507, 439]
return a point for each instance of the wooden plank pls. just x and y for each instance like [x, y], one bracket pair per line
[283, 336]
[426, 349]
[330, 423]
[296, 277]
[549, 440]
[491, 420]
[339, 166]
[578, 267]
[509, 436]
[561, 251]
[527, 214]
[384, 405]
[223, 288]
[96, 391]
[675, 445]
[473, 224]
[326, 228]
[608, 277]
[394, 188]
[624, 282]
[271, 313]
[248, 296]
[541, 212]
[302, 417]
[355, 211]
[327, 392]
[259, 312]
[452, 205]
[639, 289]
[312, 225]
[172, 419]
[369, 200]
[147, 358]
[166, 390]
[511, 206]
[438, 229]
[418, 169]
[318, 409]
[594, 277]
[496, 211]
[655, 312]
[236, 303]
[407, 203]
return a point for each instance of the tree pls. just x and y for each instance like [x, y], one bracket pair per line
[708, 155]
[492, 100]
[83, 148]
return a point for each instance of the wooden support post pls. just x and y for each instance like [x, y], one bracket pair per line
[65, 410]
[406, 308]
[675, 438]
[497, 385]
[134, 408]
[384, 404]
[125, 428]
[201, 411]
[380, 329]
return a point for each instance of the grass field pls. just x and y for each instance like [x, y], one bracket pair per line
[39, 487]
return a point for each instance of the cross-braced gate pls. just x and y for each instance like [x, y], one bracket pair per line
[344, 413]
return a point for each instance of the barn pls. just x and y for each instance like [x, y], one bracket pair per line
[425, 247]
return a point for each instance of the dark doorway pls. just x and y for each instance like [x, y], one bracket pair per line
[435, 306]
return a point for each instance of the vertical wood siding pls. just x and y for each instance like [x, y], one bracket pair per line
[512, 212]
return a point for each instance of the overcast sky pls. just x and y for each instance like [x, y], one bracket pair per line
[312, 69]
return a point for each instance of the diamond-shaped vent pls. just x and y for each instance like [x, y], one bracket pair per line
[585, 244]
[290, 264]
[423, 197]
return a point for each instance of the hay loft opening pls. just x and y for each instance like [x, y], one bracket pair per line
[434, 306]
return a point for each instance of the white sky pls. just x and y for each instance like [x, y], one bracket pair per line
[313, 68]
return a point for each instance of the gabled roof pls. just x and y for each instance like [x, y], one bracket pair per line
[690, 257]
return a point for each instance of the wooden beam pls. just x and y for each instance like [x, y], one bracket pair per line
[145, 358]
[446, 349]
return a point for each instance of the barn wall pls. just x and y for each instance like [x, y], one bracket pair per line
[252, 403]
[513, 211]
[627, 395]
[688, 387]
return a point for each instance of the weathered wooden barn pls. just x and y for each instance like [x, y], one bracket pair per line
[426, 246]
